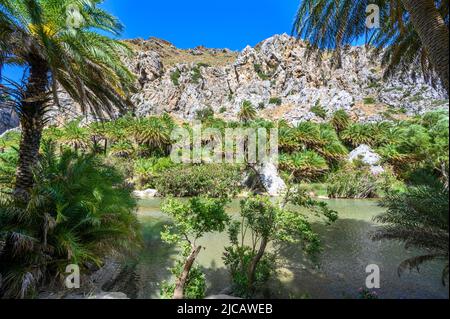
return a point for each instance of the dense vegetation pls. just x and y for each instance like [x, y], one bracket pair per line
[309, 152]
[79, 211]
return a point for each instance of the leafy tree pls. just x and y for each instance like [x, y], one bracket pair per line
[81, 61]
[267, 222]
[191, 221]
[79, 211]
[418, 218]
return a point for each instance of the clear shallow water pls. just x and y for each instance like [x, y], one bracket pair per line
[338, 273]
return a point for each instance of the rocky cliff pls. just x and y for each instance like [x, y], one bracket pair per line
[275, 76]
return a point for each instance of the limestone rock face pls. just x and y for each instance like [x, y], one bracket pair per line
[8, 118]
[275, 76]
[366, 155]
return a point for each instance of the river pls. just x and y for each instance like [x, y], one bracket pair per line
[339, 271]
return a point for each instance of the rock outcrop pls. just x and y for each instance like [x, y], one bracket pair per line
[367, 156]
[8, 117]
[277, 78]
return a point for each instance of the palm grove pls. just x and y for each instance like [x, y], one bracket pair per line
[66, 190]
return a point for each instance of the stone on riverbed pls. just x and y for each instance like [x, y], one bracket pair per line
[147, 193]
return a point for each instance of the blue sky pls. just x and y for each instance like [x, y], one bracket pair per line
[226, 23]
[229, 24]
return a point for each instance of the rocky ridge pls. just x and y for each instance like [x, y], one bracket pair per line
[277, 78]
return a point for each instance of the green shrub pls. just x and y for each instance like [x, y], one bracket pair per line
[196, 75]
[175, 77]
[358, 182]
[275, 100]
[262, 75]
[203, 65]
[213, 180]
[146, 169]
[319, 110]
[369, 100]
[204, 114]
[79, 211]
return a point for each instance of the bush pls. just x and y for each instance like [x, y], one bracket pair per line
[175, 77]
[262, 75]
[195, 287]
[146, 169]
[359, 182]
[79, 211]
[196, 75]
[188, 181]
[275, 100]
[204, 114]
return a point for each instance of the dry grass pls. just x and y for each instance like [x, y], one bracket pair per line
[171, 55]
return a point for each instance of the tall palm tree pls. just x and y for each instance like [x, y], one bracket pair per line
[415, 31]
[59, 56]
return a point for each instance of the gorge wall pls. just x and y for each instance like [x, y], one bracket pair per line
[275, 76]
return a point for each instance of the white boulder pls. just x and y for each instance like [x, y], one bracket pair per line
[367, 156]
[271, 180]
[147, 193]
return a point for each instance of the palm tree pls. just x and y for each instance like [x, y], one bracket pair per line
[329, 144]
[151, 132]
[79, 211]
[304, 165]
[340, 120]
[418, 218]
[415, 32]
[247, 112]
[75, 136]
[357, 134]
[81, 61]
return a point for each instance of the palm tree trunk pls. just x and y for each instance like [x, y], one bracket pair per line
[32, 122]
[181, 281]
[433, 33]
